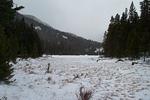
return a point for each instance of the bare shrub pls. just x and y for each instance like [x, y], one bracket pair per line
[49, 79]
[84, 94]
[133, 63]
[32, 72]
[48, 69]
[76, 76]
[119, 60]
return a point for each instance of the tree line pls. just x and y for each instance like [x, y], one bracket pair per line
[17, 39]
[128, 34]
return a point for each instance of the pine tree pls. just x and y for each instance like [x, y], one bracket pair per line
[5, 70]
[133, 15]
[133, 39]
[6, 17]
[16, 39]
[117, 18]
[145, 10]
[7, 13]
[145, 29]
[112, 20]
[124, 16]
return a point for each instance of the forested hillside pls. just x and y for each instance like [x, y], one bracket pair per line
[54, 41]
[128, 35]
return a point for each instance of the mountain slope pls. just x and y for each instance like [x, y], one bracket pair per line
[58, 42]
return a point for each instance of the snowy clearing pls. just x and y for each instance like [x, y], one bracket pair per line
[106, 79]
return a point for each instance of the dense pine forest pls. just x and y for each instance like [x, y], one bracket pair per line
[17, 39]
[128, 34]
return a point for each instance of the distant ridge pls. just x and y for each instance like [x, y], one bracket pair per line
[36, 19]
[57, 42]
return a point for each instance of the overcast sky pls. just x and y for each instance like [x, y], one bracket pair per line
[86, 18]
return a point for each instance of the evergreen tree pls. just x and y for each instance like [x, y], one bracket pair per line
[5, 69]
[133, 15]
[145, 29]
[112, 21]
[117, 18]
[124, 16]
[145, 11]
[133, 39]
[16, 39]
[122, 36]
[6, 12]
[6, 17]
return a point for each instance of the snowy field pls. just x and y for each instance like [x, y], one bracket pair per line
[106, 79]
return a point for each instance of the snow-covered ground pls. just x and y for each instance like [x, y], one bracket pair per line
[106, 79]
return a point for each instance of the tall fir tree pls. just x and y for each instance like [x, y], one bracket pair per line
[5, 70]
[16, 39]
[133, 15]
[145, 27]
[6, 17]
[6, 12]
[133, 39]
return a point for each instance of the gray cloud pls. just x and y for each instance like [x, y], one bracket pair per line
[87, 18]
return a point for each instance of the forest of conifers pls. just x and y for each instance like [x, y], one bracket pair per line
[129, 35]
